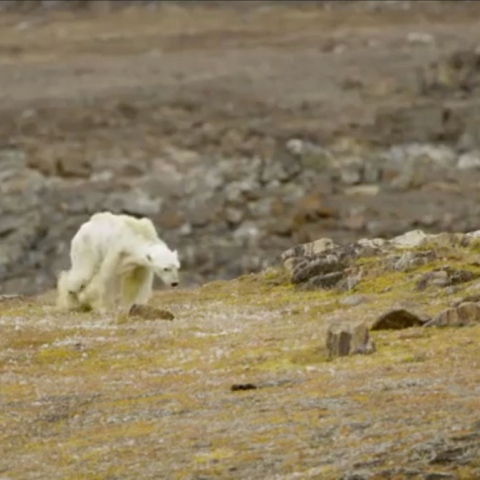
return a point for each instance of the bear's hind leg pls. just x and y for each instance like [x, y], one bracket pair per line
[101, 292]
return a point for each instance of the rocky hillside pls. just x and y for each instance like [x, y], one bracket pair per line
[240, 131]
[250, 378]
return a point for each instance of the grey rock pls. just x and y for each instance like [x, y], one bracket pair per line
[468, 161]
[344, 339]
[12, 158]
[134, 202]
[372, 173]
[437, 278]
[467, 313]
[233, 215]
[325, 280]
[282, 167]
[445, 277]
[351, 175]
[312, 157]
[412, 259]
[309, 249]
[411, 239]
[420, 38]
[364, 190]
[316, 267]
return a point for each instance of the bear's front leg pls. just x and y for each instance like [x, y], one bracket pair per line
[66, 300]
[136, 287]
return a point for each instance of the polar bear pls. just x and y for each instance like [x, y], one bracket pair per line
[114, 258]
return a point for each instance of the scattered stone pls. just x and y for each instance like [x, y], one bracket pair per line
[330, 267]
[411, 259]
[467, 313]
[461, 276]
[134, 202]
[234, 216]
[147, 312]
[421, 38]
[309, 249]
[445, 277]
[73, 167]
[436, 278]
[12, 158]
[468, 161]
[351, 175]
[475, 298]
[312, 155]
[343, 339]
[237, 387]
[318, 267]
[371, 244]
[397, 320]
[363, 190]
[412, 239]
[325, 281]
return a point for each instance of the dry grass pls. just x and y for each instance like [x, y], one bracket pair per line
[91, 398]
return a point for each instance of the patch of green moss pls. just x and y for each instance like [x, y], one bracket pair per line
[51, 355]
[389, 280]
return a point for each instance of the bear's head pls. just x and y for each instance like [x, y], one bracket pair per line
[164, 263]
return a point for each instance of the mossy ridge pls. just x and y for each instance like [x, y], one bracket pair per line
[390, 287]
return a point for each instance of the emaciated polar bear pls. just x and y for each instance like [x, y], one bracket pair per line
[115, 256]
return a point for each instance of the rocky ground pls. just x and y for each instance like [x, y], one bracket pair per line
[241, 129]
[235, 379]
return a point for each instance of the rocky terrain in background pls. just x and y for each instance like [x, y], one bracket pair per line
[241, 129]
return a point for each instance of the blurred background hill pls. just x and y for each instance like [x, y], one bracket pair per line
[240, 128]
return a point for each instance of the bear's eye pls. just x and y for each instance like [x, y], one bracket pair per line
[149, 258]
[166, 269]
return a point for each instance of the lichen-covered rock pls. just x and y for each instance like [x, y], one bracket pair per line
[445, 277]
[323, 264]
[411, 259]
[309, 249]
[344, 339]
[467, 313]
[438, 278]
[319, 267]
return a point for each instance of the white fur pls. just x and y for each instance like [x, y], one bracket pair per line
[114, 259]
